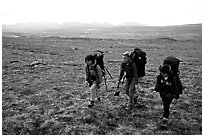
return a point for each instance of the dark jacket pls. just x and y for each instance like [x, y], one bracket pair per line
[167, 86]
[131, 70]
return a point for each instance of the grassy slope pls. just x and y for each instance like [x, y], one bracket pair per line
[52, 99]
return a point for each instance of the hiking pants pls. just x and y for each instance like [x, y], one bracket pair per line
[130, 89]
[167, 99]
[94, 91]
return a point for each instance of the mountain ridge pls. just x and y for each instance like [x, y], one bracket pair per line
[43, 26]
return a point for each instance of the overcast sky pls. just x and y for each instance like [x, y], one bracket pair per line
[149, 12]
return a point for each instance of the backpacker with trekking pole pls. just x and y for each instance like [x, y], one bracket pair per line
[138, 56]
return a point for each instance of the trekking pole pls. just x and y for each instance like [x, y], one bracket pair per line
[123, 79]
[109, 73]
[105, 83]
[117, 92]
[118, 85]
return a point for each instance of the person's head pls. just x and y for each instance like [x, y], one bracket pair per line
[90, 60]
[165, 70]
[126, 56]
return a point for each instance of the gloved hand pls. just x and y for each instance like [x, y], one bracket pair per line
[136, 87]
[86, 82]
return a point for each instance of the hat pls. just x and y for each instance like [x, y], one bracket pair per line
[165, 69]
[126, 53]
[89, 58]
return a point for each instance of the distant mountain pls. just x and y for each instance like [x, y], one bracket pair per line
[132, 24]
[43, 26]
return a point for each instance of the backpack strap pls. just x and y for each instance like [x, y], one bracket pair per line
[95, 69]
[88, 76]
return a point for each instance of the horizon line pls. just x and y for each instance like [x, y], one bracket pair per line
[99, 23]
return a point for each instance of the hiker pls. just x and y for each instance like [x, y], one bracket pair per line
[131, 77]
[93, 78]
[168, 88]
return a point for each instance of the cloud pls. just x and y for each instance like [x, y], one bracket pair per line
[156, 12]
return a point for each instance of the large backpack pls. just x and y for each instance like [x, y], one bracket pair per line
[174, 63]
[138, 56]
[98, 56]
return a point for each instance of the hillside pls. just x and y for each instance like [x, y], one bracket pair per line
[50, 98]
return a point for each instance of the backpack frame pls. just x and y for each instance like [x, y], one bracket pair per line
[138, 56]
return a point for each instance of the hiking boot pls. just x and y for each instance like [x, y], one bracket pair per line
[164, 122]
[91, 104]
[141, 80]
[117, 93]
[129, 107]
